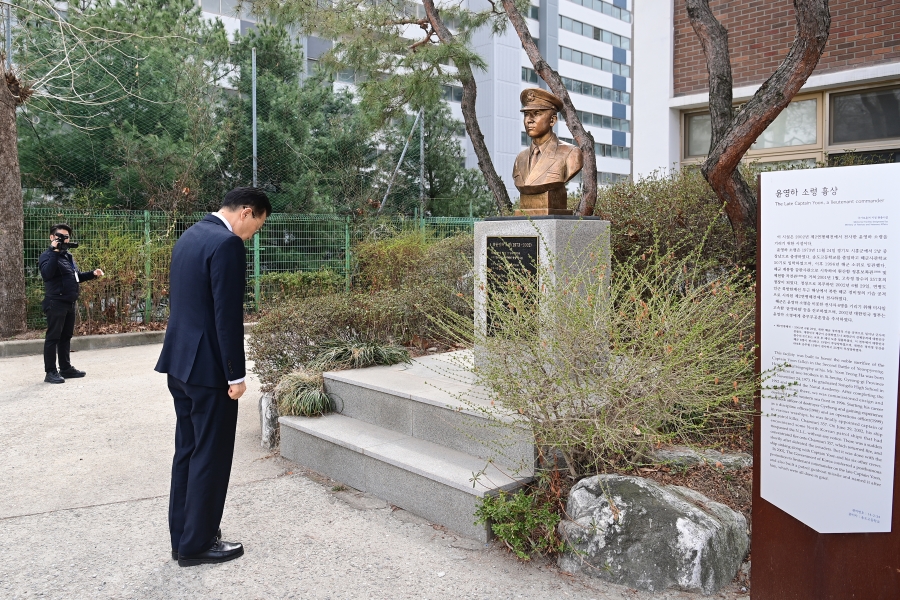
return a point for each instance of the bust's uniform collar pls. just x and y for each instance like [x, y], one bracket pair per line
[548, 149]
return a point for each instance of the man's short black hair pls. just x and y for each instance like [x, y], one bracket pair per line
[58, 226]
[248, 197]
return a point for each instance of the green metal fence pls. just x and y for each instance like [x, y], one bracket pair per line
[134, 249]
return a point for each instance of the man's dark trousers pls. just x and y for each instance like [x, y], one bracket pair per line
[60, 328]
[204, 447]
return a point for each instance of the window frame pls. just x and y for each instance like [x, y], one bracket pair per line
[865, 146]
[765, 154]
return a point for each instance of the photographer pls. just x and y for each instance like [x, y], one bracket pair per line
[61, 281]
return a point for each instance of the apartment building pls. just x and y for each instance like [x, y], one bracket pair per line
[851, 103]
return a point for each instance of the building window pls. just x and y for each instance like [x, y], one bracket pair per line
[698, 133]
[595, 62]
[453, 93]
[595, 33]
[865, 116]
[607, 150]
[603, 178]
[533, 12]
[606, 8]
[582, 87]
[350, 76]
[796, 125]
[603, 121]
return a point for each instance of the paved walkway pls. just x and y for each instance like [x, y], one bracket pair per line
[84, 475]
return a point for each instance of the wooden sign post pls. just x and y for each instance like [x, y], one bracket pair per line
[825, 482]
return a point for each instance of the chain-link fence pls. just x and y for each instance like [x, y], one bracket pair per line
[134, 249]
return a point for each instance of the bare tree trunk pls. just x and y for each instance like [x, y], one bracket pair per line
[12, 217]
[583, 137]
[734, 133]
[470, 91]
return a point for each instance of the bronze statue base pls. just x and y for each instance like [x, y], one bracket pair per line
[552, 202]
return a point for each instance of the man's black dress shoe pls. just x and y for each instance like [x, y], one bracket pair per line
[53, 377]
[219, 553]
[71, 373]
[215, 539]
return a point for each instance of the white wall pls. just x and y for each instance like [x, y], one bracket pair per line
[497, 104]
[656, 128]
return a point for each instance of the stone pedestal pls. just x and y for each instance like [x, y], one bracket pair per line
[569, 244]
[552, 202]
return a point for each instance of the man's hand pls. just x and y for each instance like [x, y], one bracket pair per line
[99, 272]
[236, 390]
[55, 245]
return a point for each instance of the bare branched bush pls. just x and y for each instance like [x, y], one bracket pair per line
[602, 366]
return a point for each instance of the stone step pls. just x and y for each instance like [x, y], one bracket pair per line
[427, 479]
[433, 399]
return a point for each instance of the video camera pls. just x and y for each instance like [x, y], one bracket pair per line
[64, 245]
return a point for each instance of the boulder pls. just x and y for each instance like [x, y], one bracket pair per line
[682, 456]
[651, 536]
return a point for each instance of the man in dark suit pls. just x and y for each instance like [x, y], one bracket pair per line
[203, 355]
[62, 283]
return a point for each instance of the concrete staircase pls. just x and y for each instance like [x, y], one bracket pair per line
[419, 436]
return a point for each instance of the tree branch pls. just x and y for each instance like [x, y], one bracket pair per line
[733, 134]
[583, 138]
[470, 92]
[429, 33]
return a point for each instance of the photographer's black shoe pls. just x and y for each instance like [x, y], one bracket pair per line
[72, 373]
[53, 377]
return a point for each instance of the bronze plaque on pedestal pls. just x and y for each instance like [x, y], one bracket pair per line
[503, 255]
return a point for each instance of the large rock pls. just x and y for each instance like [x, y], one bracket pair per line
[650, 536]
[682, 456]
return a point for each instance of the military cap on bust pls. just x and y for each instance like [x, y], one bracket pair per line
[538, 99]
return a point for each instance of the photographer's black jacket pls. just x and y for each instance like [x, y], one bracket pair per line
[58, 270]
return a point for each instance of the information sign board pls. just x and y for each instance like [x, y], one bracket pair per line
[830, 333]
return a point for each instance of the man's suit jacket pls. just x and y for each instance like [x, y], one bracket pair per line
[204, 342]
[559, 162]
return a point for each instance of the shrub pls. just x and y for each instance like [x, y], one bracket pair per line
[391, 262]
[302, 393]
[678, 211]
[604, 367]
[120, 296]
[292, 333]
[281, 286]
[525, 521]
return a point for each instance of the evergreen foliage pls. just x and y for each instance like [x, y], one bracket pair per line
[158, 116]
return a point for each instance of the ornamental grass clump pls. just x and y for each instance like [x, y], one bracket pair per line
[356, 354]
[603, 364]
[302, 394]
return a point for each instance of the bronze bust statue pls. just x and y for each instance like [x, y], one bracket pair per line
[542, 170]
